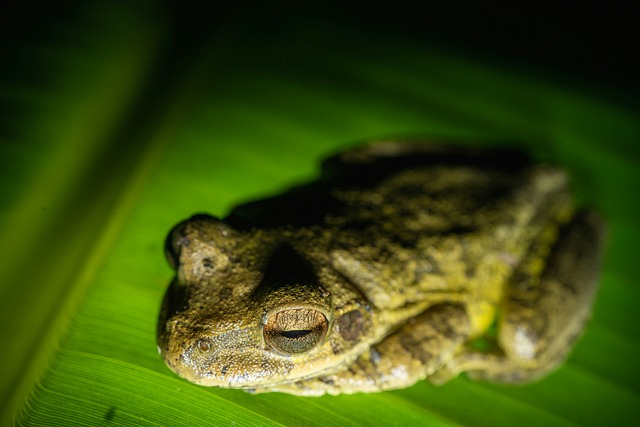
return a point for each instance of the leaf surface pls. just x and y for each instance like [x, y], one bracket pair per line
[123, 126]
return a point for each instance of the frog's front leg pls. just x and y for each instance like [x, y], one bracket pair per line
[408, 355]
[545, 313]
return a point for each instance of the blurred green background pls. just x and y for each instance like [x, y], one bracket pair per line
[118, 119]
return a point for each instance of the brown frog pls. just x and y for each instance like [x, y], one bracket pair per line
[404, 261]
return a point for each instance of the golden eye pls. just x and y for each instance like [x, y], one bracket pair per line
[295, 331]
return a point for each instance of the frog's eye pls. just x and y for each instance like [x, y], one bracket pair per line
[206, 228]
[295, 331]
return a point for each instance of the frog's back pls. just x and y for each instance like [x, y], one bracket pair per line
[415, 224]
[372, 168]
[453, 228]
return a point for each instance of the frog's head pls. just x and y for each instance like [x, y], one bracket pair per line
[247, 309]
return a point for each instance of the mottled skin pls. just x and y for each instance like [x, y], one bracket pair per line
[388, 270]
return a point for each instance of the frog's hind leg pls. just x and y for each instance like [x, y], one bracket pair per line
[543, 314]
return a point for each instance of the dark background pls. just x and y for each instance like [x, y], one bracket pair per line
[590, 44]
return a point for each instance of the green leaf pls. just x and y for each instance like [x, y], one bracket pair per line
[116, 125]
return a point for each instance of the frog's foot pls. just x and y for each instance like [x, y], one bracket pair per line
[408, 355]
[543, 316]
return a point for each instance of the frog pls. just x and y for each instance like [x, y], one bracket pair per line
[404, 261]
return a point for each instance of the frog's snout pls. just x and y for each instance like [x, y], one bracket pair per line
[230, 359]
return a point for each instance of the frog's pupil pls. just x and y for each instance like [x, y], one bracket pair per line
[296, 333]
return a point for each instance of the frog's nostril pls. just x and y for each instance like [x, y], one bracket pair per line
[204, 345]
